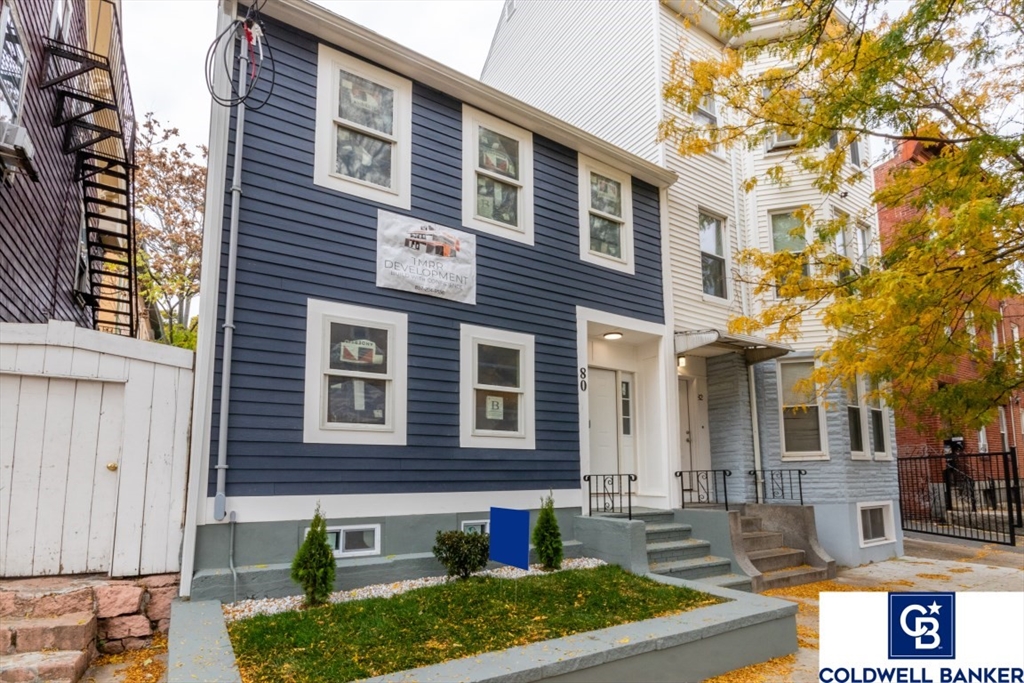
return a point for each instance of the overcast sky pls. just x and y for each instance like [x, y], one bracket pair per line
[166, 41]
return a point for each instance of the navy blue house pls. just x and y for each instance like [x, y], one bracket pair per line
[444, 300]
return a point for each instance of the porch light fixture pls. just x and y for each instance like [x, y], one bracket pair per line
[681, 361]
[612, 336]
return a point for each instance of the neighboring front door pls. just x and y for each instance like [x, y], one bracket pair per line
[685, 437]
[612, 422]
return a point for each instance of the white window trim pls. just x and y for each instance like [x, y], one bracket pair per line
[319, 315]
[797, 456]
[470, 335]
[726, 260]
[9, 9]
[471, 119]
[329, 62]
[771, 239]
[867, 433]
[468, 522]
[983, 440]
[887, 518]
[340, 530]
[626, 264]
[61, 17]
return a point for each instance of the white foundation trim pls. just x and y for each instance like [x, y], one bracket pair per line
[288, 508]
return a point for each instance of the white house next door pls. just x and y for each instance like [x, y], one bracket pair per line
[612, 422]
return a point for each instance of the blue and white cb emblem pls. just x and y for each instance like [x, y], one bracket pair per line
[921, 626]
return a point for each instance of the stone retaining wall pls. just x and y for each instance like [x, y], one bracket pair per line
[130, 611]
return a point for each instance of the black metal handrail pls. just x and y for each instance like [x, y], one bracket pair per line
[703, 485]
[778, 484]
[610, 492]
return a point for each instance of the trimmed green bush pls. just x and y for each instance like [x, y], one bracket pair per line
[547, 538]
[313, 566]
[461, 552]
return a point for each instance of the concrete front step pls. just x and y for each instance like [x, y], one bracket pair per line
[660, 532]
[670, 551]
[794, 576]
[750, 524]
[697, 568]
[775, 559]
[55, 666]
[738, 582]
[75, 631]
[761, 540]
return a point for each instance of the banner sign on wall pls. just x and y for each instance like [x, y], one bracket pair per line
[416, 256]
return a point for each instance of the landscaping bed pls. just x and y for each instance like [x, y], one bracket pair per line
[375, 636]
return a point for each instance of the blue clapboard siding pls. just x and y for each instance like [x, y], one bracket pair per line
[297, 241]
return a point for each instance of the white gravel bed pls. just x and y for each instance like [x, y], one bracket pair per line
[243, 609]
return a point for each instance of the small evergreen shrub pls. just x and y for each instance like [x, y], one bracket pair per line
[313, 566]
[547, 538]
[461, 552]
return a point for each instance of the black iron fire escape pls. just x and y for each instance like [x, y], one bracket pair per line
[93, 106]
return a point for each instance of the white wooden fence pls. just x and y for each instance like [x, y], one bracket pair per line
[93, 451]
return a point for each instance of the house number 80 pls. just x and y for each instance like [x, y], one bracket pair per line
[583, 379]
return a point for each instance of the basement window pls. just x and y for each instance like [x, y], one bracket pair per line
[354, 541]
[875, 523]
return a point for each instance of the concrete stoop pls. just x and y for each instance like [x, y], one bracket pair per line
[52, 627]
[778, 546]
[672, 552]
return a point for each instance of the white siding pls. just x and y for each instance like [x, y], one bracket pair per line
[93, 452]
[589, 64]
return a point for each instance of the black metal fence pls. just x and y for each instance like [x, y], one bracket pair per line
[780, 486]
[703, 487]
[607, 493]
[962, 495]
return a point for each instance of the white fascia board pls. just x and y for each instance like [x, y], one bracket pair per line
[345, 34]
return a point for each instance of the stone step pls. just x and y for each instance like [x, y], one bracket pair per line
[44, 598]
[648, 516]
[697, 568]
[775, 559]
[761, 540]
[739, 582]
[670, 551]
[670, 531]
[55, 666]
[750, 524]
[794, 576]
[75, 631]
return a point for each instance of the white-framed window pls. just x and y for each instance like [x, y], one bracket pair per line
[855, 420]
[982, 440]
[606, 216]
[864, 247]
[845, 243]
[788, 235]
[1015, 340]
[363, 130]
[802, 418]
[712, 254]
[354, 541]
[356, 374]
[994, 337]
[13, 64]
[875, 523]
[867, 417]
[497, 176]
[477, 526]
[707, 116]
[496, 389]
[877, 421]
[1004, 435]
[855, 152]
[60, 20]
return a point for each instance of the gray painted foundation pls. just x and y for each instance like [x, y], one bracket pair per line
[840, 536]
[715, 527]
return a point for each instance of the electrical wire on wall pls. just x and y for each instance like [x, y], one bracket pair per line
[256, 50]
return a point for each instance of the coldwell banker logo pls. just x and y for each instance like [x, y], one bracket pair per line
[921, 626]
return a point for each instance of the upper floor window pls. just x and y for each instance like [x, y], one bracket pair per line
[856, 152]
[60, 20]
[867, 421]
[787, 235]
[355, 374]
[802, 418]
[363, 129]
[496, 389]
[13, 64]
[497, 176]
[606, 216]
[864, 248]
[712, 254]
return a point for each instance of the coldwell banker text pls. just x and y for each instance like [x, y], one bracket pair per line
[903, 674]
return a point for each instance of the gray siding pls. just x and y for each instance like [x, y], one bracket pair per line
[297, 240]
[836, 480]
[731, 434]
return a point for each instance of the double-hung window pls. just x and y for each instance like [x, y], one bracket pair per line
[496, 389]
[363, 129]
[606, 216]
[855, 421]
[787, 235]
[864, 248]
[712, 254]
[802, 417]
[497, 176]
[867, 419]
[13, 64]
[876, 421]
[355, 374]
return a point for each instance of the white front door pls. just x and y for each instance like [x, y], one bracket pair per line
[612, 422]
[685, 437]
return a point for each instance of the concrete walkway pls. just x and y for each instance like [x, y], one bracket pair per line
[929, 565]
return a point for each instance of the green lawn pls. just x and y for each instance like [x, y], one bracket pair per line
[372, 637]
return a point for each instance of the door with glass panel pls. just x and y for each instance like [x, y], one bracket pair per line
[612, 422]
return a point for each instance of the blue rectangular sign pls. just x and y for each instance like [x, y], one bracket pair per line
[922, 625]
[510, 537]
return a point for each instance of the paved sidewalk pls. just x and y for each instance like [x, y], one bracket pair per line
[927, 566]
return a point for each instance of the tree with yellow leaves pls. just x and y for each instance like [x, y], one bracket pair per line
[948, 75]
